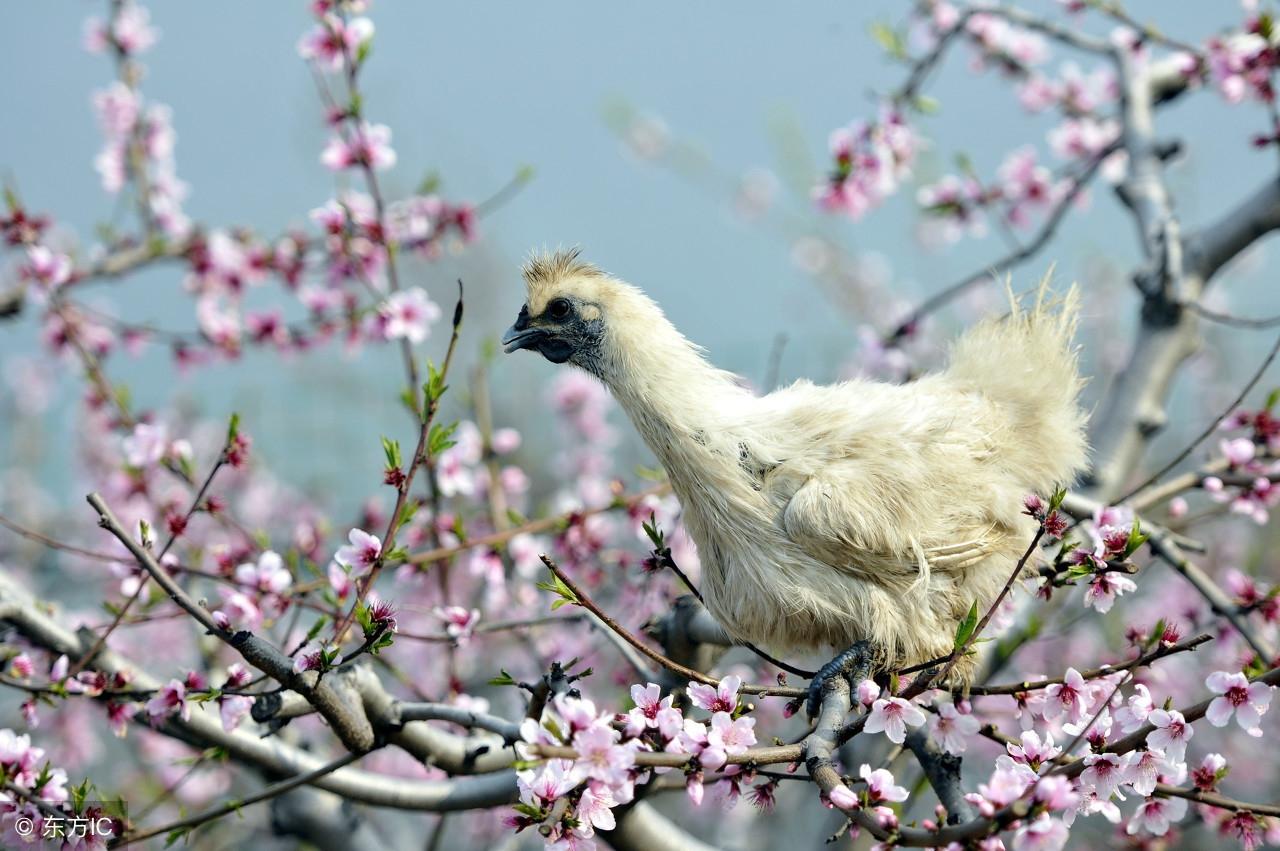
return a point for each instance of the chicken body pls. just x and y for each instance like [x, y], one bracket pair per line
[828, 515]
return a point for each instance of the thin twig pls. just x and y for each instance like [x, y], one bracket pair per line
[235, 805]
[582, 599]
[1211, 428]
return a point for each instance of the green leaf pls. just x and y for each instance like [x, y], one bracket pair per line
[1055, 501]
[926, 105]
[964, 631]
[430, 183]
[1266, 25]
[529, 810]
[407, 512]
[889, 39]
[441, 438]
[1136, 539]
[655, 534]
[1272, 398]
[563, 592]
[434, 387]
[362, 617]
[503, 679]
[406, 398]
[316, 627]
[233, 428]
[79, 793]
[174, 835]
[391, 449]
[384, 641]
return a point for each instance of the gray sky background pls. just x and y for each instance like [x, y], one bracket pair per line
[475, 91]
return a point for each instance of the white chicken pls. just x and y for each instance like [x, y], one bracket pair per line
[859, 513]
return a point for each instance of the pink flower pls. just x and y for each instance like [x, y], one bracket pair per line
[1037, 93]
[237, 676]
[368, 145]
[238, 612]
[601, 757]
[1211, 769]
[953, 729]
[22, 666]
[505, 441]
[693, 787]
[892, 716]
[1032, 752]
[866, 693]
[1069, 696]
[1248, 701]
[871, 160]
[524, 551]
[1171, 733]
[334, 42]
[234, 708]
[313, 658]
[881, 786]
[219, 322]
[460, 623]
[1078, 138]
[340, 580]
[131, 29]
[118, 717]
[146, 445]
[47, 267]
[170, 699]
[1154, 815]
[720, 698]
[1238, 452]
[1042, 834]
[94, 37]
[1104, 773]
[1057, 793]
[268, 576]
[1007, 784]
[361, 552]
[595, 811]
[1142, 770]
[843, 797]
[648, 703]
[729, 736]
[1134, 713]
[409, 314]
[554, 780]
[1105, 587]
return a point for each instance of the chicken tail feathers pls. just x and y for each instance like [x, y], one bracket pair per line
[1025, 364]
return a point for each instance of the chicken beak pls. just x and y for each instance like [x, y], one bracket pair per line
[521, 338]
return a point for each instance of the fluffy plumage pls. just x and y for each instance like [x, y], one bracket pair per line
[826, 515]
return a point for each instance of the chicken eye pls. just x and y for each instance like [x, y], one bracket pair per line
[558, 308]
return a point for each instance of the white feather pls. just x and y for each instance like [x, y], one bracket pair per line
[824, 515]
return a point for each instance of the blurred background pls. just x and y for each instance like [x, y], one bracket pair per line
[676, 145]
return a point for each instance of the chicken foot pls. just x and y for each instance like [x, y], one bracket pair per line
[854, 665]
